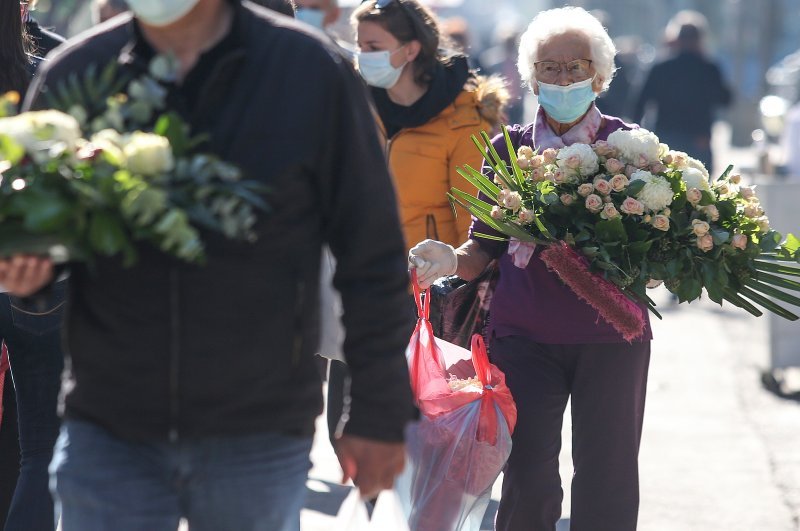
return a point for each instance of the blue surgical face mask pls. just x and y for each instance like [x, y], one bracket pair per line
[377, 70]
[161, 12]
[566, 104]
[312, 17]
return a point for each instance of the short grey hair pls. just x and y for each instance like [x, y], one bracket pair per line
[563, 20]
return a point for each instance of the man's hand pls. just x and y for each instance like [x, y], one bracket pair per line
[372, 465]
[24, 275]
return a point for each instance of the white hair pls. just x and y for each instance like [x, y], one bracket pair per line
[563, 20]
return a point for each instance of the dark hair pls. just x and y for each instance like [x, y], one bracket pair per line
[408, 20]
[14, 73]
[285, 7]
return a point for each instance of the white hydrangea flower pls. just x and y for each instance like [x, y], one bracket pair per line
[639, 147]
[578, 159]
[694, 178]
[657, 193]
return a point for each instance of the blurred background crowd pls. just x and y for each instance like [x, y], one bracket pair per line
[756, 46]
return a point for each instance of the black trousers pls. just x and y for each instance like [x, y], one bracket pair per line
[607, 384]
[9, 449]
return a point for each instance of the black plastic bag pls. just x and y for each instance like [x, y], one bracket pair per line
[459, 308]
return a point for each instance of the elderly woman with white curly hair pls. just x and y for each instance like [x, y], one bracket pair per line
[550, 344]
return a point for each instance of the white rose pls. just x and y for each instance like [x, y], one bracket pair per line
[700, 227]
[39, 130]
[526, 216]
[585, 189]
[110, 143]
[594, 203]
[618, 182]
[694, 178]
[763, 223]
[148, 154]
[609, 211]
[660, 222]
[512, 201]
[525, 152]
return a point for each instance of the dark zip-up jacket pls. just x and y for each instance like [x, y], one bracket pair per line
[165, 350]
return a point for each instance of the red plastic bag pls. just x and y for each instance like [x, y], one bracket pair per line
[462, 441]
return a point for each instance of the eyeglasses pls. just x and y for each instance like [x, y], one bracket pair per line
[548, 71]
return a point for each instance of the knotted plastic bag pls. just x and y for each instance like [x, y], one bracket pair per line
[463, 439]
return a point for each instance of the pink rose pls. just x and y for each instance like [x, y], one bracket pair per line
[549, 176]
[573, 162]
[523, 163]
[618, 182]
[735, 178]
[739, 241]
[560, 177]
[710, 212]
[602, 186]
[694, 195]
[700, 227]
[609, 211]
[512, 200]
[630, 169]
[753, 210]
[502, 194]
[594, 203]
[497, 212]
[567, 199]
[723, 189]
[660, 222]
[680, 159]
[549, 155]
[643, 162]
[632, 206]
[614, 166]
[525, 152]
[607, 199]
[585, 189]
[602, 148]
[526, 216]
[667, 159]
[537, 161]
[657, 167]
[705, 243]
[747, 192]
[537, 175]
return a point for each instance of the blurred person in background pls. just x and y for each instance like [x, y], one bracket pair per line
[501, 59]
[318, 13]
[43, 41]
[284, 7]
[103, 10]
[32, 335]
[551, 345]
[685, 90]
[456, 29]
[616, 101]
[428, 104]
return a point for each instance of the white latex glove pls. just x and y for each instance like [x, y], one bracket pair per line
[432, 260]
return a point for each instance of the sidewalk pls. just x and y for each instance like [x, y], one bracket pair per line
[718, 453]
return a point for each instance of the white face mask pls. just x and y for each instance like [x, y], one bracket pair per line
[160, 12]
[377, 70]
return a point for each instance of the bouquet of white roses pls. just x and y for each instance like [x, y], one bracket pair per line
[78, 184]
[627, 213]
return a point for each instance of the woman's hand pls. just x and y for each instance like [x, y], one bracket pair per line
[24, 275]
[432, 260]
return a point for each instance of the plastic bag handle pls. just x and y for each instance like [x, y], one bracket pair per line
[480, 360]
[421, 298]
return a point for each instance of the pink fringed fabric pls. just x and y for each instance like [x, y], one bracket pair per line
[602, 295]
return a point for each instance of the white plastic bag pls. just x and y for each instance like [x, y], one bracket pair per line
[387, 516]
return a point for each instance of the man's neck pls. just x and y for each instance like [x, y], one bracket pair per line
[201, 29]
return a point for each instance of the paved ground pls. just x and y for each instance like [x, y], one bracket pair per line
[719, 452]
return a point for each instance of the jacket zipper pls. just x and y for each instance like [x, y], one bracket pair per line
[174, 362]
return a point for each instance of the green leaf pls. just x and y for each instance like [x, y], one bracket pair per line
[476, 203]
[725, 173]
[777, 281]
[791, 244]
[708, 198]
[172, 127]
[637, 251]
[11, 150]
[106, 233]
[634, 188]
[611, 230]
[689, 289]
[770, 241]
[518, 175]
[772, 292]
[47, 210]
[720, 236]
[712, 283]
[734, 298]
[480, 181]
[781, 269]
[490, 237]
[768, 304]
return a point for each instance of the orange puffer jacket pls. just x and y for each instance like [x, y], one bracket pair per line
[423, 162]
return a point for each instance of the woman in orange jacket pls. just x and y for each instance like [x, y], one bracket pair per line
[429, 105]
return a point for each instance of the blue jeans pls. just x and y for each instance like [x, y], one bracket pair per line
[243, 483]
[33, 336]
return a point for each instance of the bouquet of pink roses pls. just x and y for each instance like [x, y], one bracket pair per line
[628, 213]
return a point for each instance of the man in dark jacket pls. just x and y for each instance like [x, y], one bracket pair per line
[685, 89]
[193, 390]
[44, 41]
